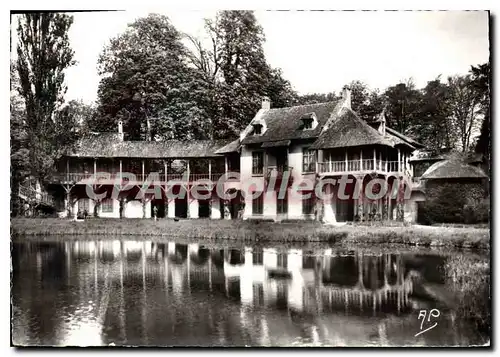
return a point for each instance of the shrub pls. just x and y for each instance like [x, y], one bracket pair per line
[477, 212]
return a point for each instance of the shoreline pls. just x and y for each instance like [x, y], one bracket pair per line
[255, 232]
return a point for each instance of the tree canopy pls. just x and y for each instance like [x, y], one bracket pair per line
[43, 54]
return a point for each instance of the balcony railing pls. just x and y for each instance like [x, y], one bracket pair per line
[75, 177]
[357, 165]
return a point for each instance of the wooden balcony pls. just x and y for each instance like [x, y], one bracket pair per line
[360, 166]
[111, 178]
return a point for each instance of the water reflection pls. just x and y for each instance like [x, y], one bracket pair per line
[144, 293]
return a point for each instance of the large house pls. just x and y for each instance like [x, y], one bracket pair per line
[282, 155]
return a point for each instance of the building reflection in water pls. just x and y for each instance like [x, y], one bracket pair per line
[141, 287]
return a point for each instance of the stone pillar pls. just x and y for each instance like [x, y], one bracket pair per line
[329, 206]
[171, 208]
[193, 207]
[360, 203]
[227, 212]
[215, 212]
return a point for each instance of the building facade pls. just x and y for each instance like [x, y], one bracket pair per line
[286, 164]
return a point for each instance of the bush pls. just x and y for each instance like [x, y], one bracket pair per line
[477, 212]
[454, 202]
[470, 279]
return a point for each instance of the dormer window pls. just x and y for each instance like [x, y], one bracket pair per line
[257, 129]
[308, 121]
[308, 124]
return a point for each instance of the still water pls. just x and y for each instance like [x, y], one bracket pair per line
[102, 292]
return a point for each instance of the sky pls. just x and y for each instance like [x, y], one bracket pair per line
[318, 51]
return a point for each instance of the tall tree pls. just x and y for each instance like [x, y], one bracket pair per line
[235, 69]
[43, 54]
[434, 127]
[403, 105]
[364, 101]
[19, 154]
[481, 82]
[146, 76]
[466, 110]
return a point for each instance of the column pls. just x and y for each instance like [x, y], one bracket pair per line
[374, 159]
[210, 169]
[120, 168]
[360, 198]
[215, 212]
[95, 166]
[67, 169]
[225, 165]
[188, 170]
[361, 160]
[171, 208]
[399, 160]
[165, 170]
[193, 207]
[346, 165]
[329, 206]
[142, 162]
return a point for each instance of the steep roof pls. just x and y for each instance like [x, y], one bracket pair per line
[350, 130]
[452, 168]
[286, 123]
[403, 137]
[110, 145]
[233, 146]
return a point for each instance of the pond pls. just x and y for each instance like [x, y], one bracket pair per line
[136, 293]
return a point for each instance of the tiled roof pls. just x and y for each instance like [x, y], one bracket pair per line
[452, 168]
[109, 145]
[286, 123]
[233, 146]
[349, 130]
[405, 138]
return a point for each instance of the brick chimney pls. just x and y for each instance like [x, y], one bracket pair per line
[346, 96]
[120, 130]
[266, 103]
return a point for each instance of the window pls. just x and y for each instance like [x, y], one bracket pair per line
[308, 204]
[107, 205]
[309, 121]
[257, 163]
[257, 129]
[258, 203]
[257, 256]
[308, 160]
[282, 204]
[282, 260]
[307, 124]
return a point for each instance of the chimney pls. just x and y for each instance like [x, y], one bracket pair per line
[381, 128]
[148, 133]
[346, 95]
[120, 130]
[266, 103]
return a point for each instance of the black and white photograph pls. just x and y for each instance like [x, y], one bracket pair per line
[250, 178]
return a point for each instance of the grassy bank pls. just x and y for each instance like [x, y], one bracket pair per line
[258, 231]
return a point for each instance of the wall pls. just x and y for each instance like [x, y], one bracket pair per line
[294, 205]
[133, 209]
